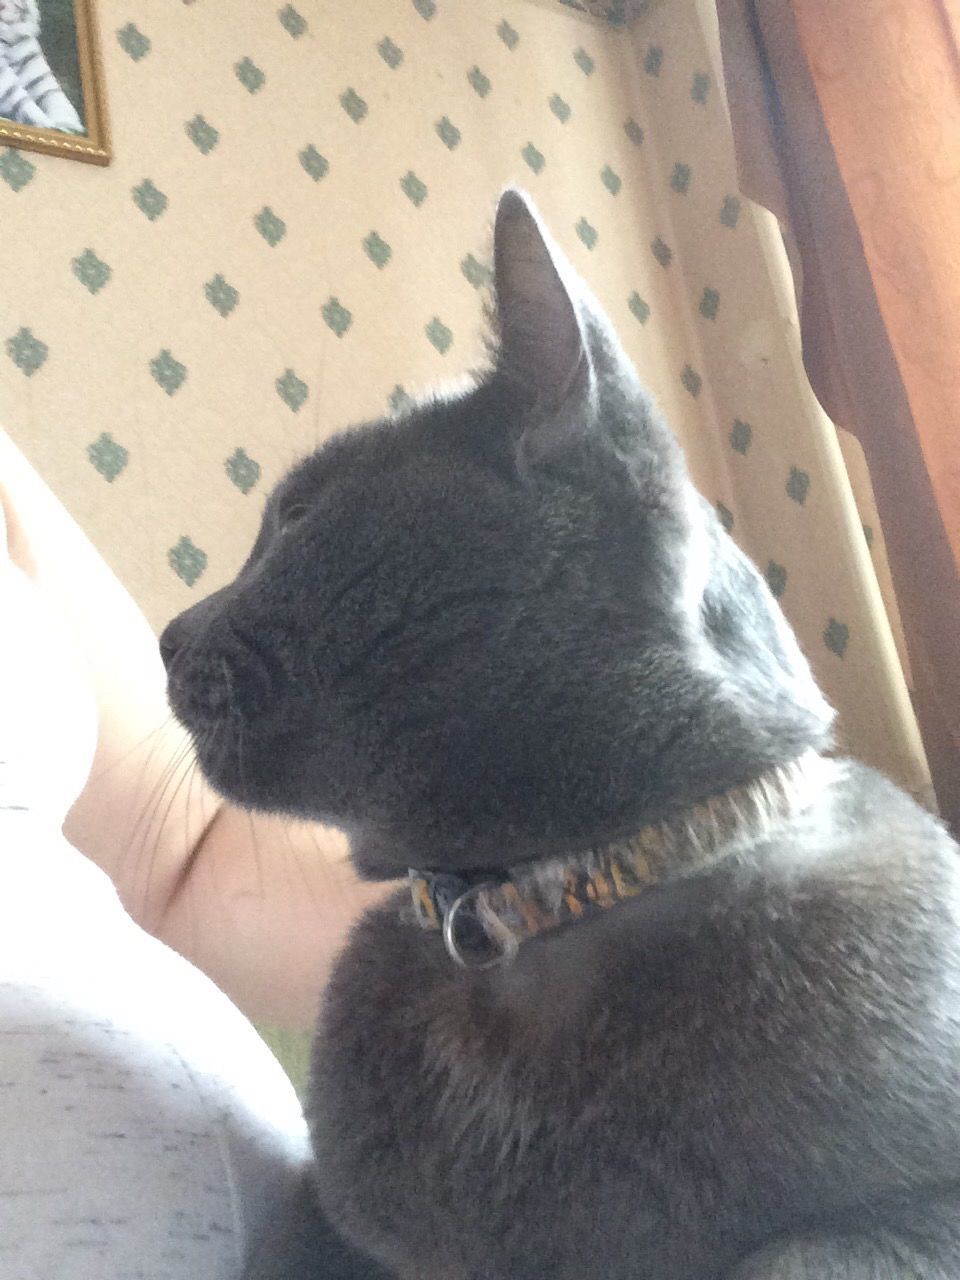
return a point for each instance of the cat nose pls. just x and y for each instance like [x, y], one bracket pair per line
[198, 676]
[178, 634]
[211, 676]
[171, 642]
[200, 684]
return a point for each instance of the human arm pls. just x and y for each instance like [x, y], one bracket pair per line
[260, 904]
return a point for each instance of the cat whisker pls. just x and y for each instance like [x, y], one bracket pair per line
[121, 760]
[254, 838]
[159, 735]
[159, 822]
[143, 824]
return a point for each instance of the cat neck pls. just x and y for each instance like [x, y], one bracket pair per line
[485, 917]
[383, 853]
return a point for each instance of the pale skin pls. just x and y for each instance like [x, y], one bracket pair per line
[259, 903]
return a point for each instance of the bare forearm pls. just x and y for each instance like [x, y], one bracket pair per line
[264, 911]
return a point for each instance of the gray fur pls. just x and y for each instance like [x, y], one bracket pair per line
[499, 628]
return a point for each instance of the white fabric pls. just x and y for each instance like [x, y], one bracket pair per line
[146, 1132]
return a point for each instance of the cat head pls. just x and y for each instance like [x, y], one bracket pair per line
[501, 624]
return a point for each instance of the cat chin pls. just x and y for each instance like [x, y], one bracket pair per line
[226, 781]
[243, 771]
[226, 764]
[213, 757]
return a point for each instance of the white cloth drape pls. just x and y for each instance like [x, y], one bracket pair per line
[146, 1129]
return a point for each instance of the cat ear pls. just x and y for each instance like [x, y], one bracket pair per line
[542, 345]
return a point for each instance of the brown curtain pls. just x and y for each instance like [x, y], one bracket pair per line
[847, 127]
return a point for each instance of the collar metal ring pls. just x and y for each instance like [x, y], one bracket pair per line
[501, 943]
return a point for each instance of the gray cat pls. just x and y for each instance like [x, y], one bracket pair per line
[671, 996]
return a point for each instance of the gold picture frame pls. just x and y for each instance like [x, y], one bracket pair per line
[92, 145]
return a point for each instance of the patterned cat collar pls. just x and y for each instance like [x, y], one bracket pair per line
[485, 917]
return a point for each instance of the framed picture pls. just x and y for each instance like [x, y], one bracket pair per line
[51, 79]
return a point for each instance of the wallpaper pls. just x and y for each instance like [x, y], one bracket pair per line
[294, 235]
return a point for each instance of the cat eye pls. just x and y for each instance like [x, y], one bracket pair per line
[293, 516]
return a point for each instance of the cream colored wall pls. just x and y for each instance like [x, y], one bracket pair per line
[213, 104]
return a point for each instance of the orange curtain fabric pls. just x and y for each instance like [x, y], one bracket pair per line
[887, 75]
[833, 109]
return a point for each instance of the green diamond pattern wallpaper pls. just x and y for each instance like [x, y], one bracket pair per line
[294, 235]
